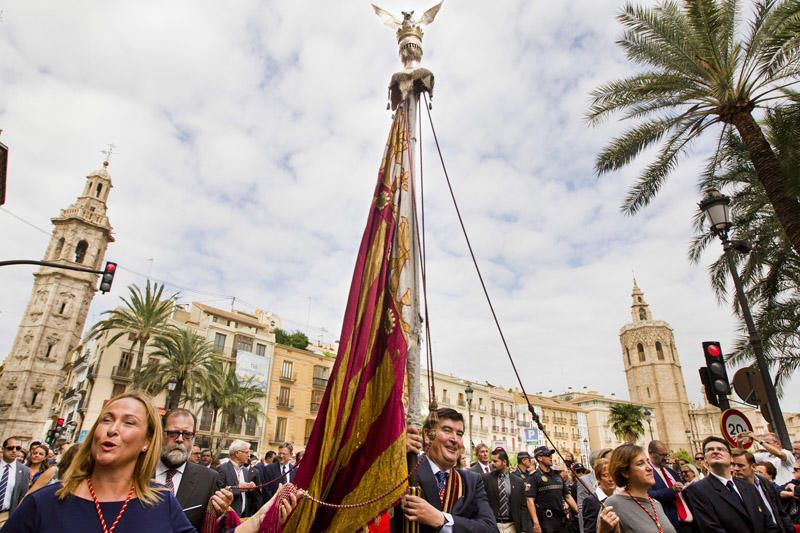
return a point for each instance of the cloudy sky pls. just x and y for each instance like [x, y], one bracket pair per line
[248, 135]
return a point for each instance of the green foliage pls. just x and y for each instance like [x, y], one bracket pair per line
[297, 339]
[626, 420]
[142, 316]
[184, 355]
[771, 272]
[701, 68]
[683, 455]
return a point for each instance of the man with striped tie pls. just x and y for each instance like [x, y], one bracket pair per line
[506, 495]
[14, 478]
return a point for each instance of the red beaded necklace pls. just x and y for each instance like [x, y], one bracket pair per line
[100, 512]
[654, 516]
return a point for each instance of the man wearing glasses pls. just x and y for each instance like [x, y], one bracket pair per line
[237, 474]
[192, 484]
[700, 464]
[14, 478]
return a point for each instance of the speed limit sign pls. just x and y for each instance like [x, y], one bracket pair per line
[734, 422]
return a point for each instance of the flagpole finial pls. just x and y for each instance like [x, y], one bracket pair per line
[409, 32]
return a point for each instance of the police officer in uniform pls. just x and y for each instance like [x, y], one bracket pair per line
[548, 497]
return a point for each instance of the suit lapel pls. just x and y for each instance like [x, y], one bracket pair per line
[188, 483]
[730, 498]
[427, 481]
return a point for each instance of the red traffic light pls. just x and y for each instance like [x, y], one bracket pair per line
[713, 350]
[111, 267]
[60, 422]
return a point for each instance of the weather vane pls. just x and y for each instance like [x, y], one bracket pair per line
[108, 151]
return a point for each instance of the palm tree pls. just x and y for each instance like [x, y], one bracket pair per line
[227, 394]
[183, 355]
[142, 317]
[704, 69]
[771, 272]
[625, 420]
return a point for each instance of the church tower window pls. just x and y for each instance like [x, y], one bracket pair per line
[642, 314]
[640, 349]
[98, 190]
[628, 353]
[659, 351]
[80, 251]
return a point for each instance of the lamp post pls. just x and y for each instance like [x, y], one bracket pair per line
[648, 416]
[585, 451]
[171, 384]
[690, 439]
[468, 392]
[715, 206]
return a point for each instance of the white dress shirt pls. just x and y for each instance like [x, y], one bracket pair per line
[161, 475]
[448, 518]
[240, 476]
[12, 481]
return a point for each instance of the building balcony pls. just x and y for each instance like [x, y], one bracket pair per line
[288, 379]
[495, 412]
[445, 399]
[121, 374]
[482, 408]
[462, 403]
[495, 428]
[285, 404]
[320, 383]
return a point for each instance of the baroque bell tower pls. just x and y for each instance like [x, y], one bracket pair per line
[653, 371]
[56, 312]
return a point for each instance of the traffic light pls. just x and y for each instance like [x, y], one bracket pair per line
[51, 437]
[714, 376]
[108, 277]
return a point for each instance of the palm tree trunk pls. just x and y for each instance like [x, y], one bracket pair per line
[771, 176]
[139, 360]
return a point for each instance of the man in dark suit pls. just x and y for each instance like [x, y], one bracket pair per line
[451, 500]
[242, 479]
[14, 478]
[721, 504]
[743, 466]
[281, 468]
[192, 484]
[482, 465]
[668, 487]
[506, 495]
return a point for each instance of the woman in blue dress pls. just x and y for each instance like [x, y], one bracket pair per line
[108, 487]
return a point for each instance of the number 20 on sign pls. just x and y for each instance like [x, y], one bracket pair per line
[734, 422]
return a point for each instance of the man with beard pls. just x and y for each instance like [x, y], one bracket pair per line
[192, 484]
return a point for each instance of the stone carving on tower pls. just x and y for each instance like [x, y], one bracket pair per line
[56, 312]
[653, 371]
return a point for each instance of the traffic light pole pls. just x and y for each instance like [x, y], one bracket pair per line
[49, 264]
[774, 408]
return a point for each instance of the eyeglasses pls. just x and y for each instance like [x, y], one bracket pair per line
[699, 458]
[13, 448]
[187, 435]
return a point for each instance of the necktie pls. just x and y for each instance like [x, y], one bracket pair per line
[731, 488]
[441, 481]
[4, 486]
[503, 496]
[168, 482]
[284, 470]
[682, 512]
[485, 469]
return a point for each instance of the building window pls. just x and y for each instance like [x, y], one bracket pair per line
[628, 354]
[98, 190]
[316, 400]
[206, 415]
[283, 396]
[125, 360]
[445, 398]
[34, 396]
[250, 425]
[244, 344]
[640, 349]
[309, 427]
[219, 341]
[280, 429]
[49, 349]
[648, 392]
[642, 314]
[659, 351]
[119, 388]
[80, 251]
[261, 349]
[286, 369]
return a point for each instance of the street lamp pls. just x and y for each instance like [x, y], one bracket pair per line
[468, 393]
[648, 416]
[715, 207]
[585, 451]
[171, 384]
[690, 439]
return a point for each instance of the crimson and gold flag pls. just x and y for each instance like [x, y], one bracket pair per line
[356, 451]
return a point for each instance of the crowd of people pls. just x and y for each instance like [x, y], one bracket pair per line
[625, 490]
[135, 472]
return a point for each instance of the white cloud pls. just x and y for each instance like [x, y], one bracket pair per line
[248, 139]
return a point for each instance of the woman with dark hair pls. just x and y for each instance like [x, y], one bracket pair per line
[108, 485]
[37, 461]
[633, 510]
